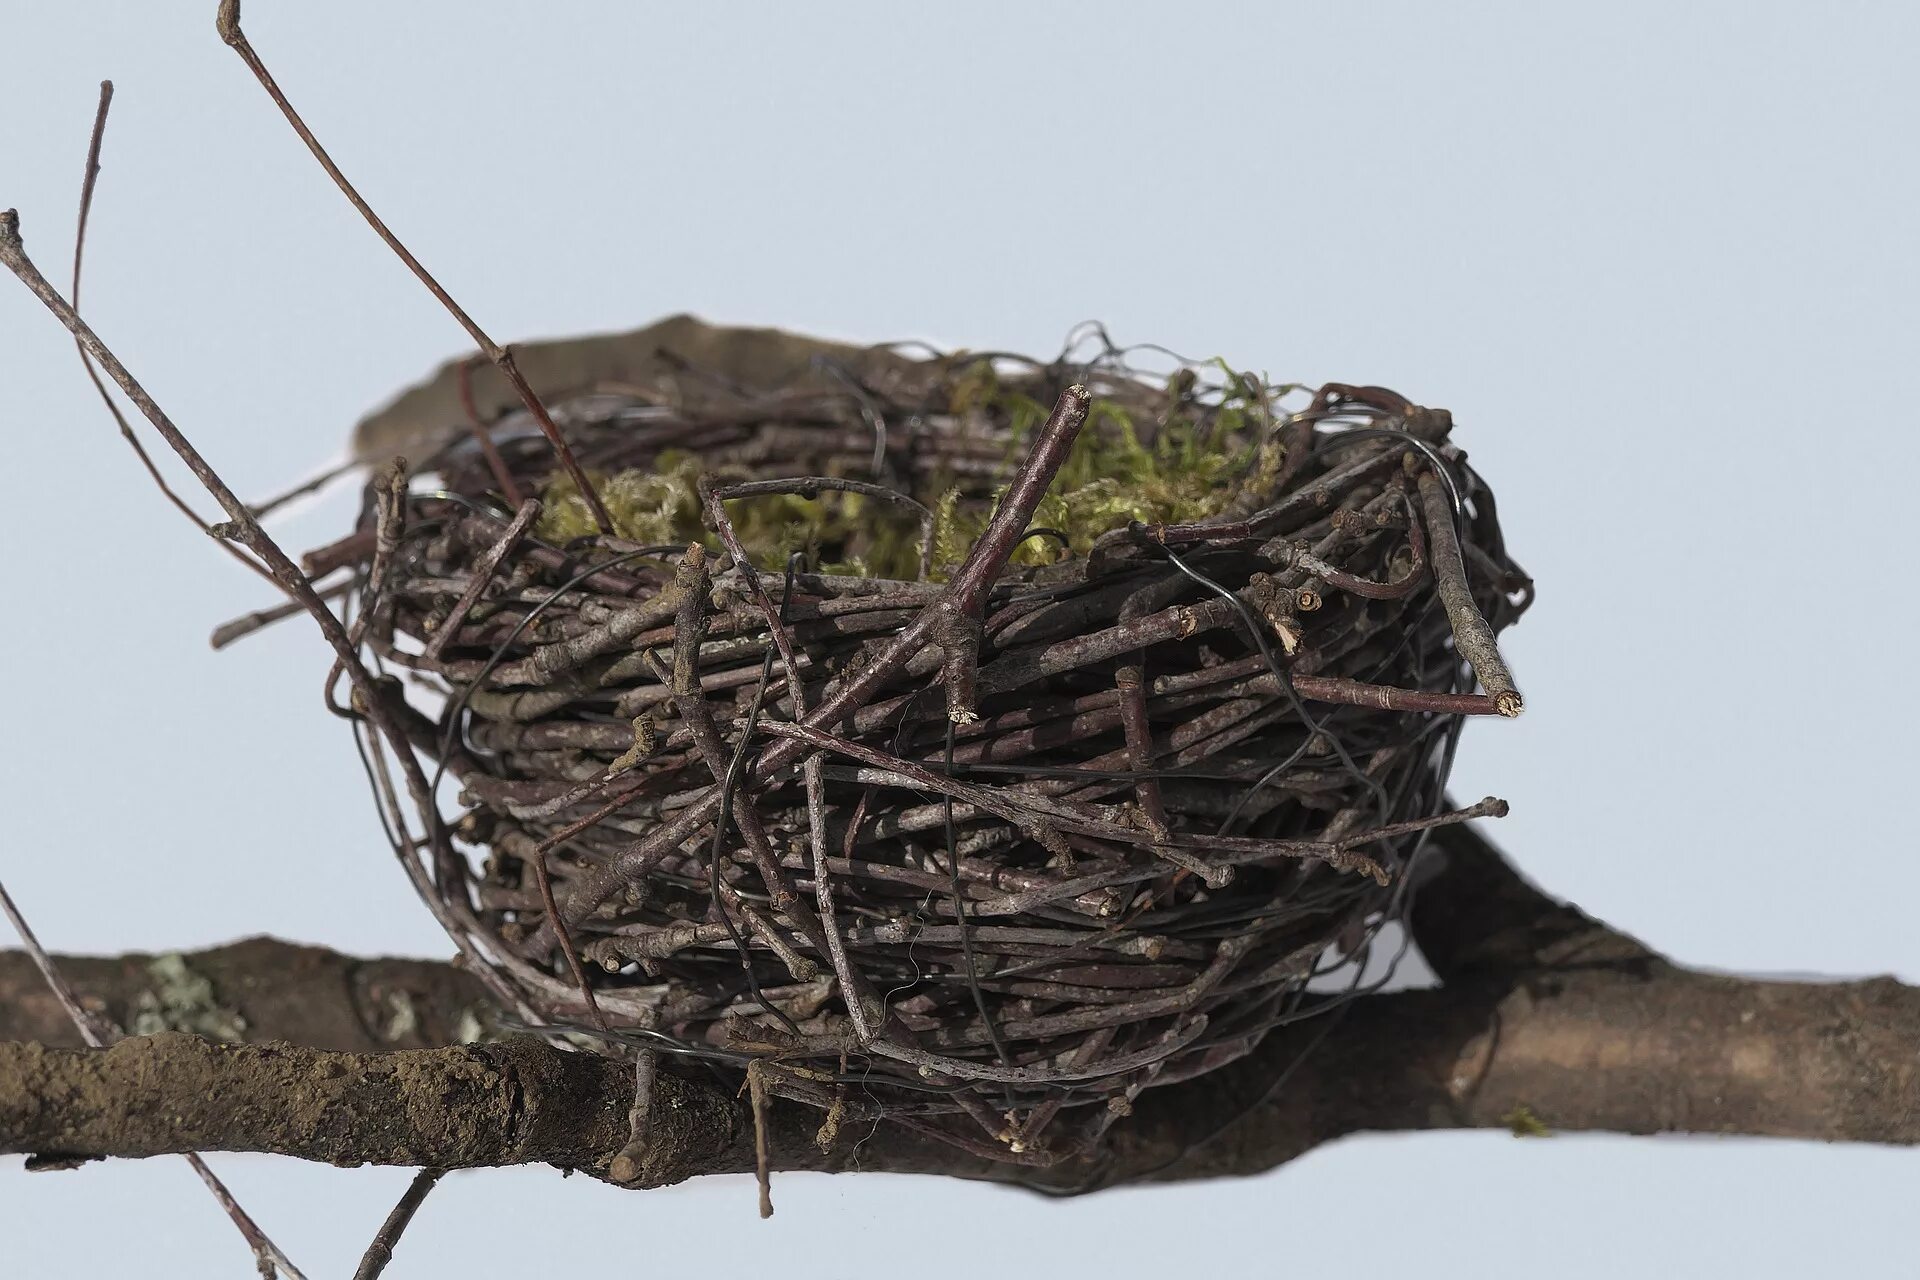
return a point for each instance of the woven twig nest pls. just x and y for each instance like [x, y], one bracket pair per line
[1013, 815]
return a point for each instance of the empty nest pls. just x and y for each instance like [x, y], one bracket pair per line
[952, 738]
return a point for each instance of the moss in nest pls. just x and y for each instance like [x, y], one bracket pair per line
[844, 533]
[655, 506]
[1191, 470]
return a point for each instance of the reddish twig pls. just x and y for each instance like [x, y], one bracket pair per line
[509, 487]
[228, 24]
[92, 174]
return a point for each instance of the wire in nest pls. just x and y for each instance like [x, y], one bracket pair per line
[458, 706]
[722, 822]
[966, 929]
[875, 420]
[1285, 681]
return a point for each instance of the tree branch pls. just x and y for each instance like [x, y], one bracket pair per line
[1626, 1044]
[267, 989]
[1475, 916]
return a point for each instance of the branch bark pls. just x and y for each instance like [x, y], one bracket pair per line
[1546, 1019]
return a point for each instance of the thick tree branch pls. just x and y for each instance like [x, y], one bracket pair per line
[1475, 916]
[1625, 1048]
[261, 988]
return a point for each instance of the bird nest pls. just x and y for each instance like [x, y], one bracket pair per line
[951, 738]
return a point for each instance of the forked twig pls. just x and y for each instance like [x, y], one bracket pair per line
[92, 175]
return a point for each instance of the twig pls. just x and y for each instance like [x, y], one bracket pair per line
[762, 1162]
[126, 429]
[380, 1252]
[630, 1162]
[227, 22]
[543, 880]
[90, 1030]
[482, 436]
[959, 611]
[1471, 634]
[483, 571]
[260, 619]
[246, 529]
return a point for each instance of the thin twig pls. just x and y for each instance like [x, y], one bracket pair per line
[228, 24]
[245, 528]
[1471, 634]
[482, 436]
[380, 1252]
[92, 174]
[483, 571]
[260, 619]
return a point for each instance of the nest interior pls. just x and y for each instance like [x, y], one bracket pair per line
[958, 739]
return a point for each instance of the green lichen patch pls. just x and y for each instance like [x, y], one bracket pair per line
[181, 1000]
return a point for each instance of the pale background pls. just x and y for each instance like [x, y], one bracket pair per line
[1659, 259]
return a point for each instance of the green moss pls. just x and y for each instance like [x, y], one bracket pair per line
[655, 506]
[842, 533]
[1189, 472]
[1197, 459]
[1525, 1124]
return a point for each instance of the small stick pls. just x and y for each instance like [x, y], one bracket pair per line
[1490, 807]
[630, 1162]
[1130, 688]
[390, 527]
[1472, 637]
[179, 503]
[90, 1030]
[509, 488]
[1129, 685]
[1381, 697]
[380, 1252]
[1299, 557]
[959, 613]
[227, 22]
[563, 938]
[343, 551]
[762, 1161]
[812, 772]
[260, 619]
[776, 624]
[483, 571]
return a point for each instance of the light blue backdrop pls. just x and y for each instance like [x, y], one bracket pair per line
[1659, 259]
